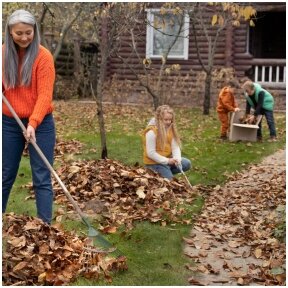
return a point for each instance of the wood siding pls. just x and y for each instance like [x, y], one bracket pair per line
[231, 52]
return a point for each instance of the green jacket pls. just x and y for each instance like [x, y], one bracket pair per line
[268, 102]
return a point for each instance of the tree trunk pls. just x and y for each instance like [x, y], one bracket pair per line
[155, 102]
[206, 104]
[100, 114]
[99, 97]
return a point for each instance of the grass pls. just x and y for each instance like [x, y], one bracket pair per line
[212, 159]
[151, 260]
[154, 252]
[19, 193]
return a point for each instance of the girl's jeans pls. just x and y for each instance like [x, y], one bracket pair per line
[13, 143]
[168, 171]
[270, 121]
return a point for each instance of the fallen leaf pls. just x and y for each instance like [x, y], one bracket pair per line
[110, 230]
[74, 169]
[258, 253]
[17, 241]
[140, 192]
[197, 282]
[240, 281]
[41, 277]
[20, 266]
[203, 269]
[188, 241]
[234, 244]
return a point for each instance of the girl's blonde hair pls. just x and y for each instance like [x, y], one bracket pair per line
[161, 131]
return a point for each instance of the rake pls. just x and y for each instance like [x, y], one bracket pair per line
[179, 166]
[95, 237]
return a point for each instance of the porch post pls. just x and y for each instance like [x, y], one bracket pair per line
[229, 46]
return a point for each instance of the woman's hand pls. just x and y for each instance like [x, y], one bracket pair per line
[173, 161]
[30, 134]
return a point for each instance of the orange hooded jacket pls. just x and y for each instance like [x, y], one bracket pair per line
[226, 101]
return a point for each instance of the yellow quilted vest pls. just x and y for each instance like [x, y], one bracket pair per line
[166, 151]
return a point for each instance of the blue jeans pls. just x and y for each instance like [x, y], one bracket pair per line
[13, 143]
[168, 171]
[270, 121]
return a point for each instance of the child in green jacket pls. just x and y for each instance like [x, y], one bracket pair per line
[263, 103]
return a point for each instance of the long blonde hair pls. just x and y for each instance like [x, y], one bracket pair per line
[161, 131]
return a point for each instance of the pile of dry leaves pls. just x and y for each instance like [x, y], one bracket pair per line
[70, 147]
[35, 253]
[247, 119]
[67, 147]
[116, 194]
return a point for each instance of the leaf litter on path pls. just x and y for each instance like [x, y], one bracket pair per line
[237, 221]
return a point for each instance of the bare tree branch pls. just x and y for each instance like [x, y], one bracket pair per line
[64, 31]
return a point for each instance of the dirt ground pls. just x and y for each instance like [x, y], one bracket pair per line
[231, 240]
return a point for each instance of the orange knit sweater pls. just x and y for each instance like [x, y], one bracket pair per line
[35, 101]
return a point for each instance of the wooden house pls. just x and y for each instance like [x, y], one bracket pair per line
[256, 52]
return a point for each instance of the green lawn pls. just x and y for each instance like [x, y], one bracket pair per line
[155, 257]
[154, 252]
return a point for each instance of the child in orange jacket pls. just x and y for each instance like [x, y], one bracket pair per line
[226, 103]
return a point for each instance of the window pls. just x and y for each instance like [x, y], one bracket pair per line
[268, 38]
[161, 33]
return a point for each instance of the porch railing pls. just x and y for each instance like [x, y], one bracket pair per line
[270, 71]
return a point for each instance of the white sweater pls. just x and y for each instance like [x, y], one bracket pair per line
[151, 147]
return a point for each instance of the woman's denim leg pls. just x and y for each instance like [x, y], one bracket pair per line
[168, 171]
[270, 121]
[13, 143]
[163, 170]
[186, 165]
[259, 130]
[45, 137]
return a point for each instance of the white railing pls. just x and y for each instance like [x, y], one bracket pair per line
[270, 71]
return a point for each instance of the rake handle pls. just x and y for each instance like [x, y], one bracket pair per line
[182, 172]
[186, 179]
[42, 156]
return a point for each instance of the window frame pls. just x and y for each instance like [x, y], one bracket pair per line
[150, 36]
